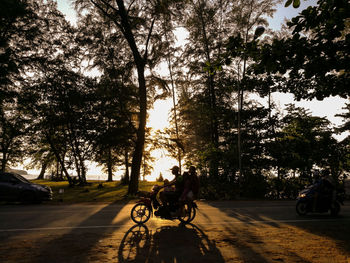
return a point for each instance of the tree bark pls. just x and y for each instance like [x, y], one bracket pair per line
[140, 66]
[3, 161]
[42, 171]
[140, 141]
[59, 159]
[125, 27]
[109, 165]
[126, 177]
[214, 167]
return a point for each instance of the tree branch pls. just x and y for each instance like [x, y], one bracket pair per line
[132, 2]
[106, 13]
[148, 39]
[110, 6]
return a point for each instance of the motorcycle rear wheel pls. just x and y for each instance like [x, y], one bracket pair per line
[188, 214]
[140, 213]
[301, 208]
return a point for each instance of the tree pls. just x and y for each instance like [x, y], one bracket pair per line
[138, 23]
[13, 136]
[40, 153]
[160, 178]
[213, 88]
[18, 33]
[345, 128]
[303, 142]
[296, 3]
[315, 58]
[52, 92]
[113, 128]
[115, 93]
[61, 104]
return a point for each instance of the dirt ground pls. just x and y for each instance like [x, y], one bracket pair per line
[315, 239]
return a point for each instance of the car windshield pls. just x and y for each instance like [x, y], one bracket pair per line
[21, 178]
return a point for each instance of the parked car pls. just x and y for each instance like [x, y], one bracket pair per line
[14, 187]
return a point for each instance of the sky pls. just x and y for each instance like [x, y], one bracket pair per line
[159, 115]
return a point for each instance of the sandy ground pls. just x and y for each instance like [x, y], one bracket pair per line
[220, 233]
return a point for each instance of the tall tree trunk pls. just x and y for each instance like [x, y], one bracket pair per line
[126, 176]
[42, 171]
[140, 140]
[57, 170]
[140, 65]
[214, 167]
[82, 168]
[77, 168]
[59, 159]
[3, 161]
[109, 165]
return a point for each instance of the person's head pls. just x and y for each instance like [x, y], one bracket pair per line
[175, 170]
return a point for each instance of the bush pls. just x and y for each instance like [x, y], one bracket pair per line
[160, 178]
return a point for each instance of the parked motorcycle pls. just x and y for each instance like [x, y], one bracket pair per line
[143, 209]
[306, 202]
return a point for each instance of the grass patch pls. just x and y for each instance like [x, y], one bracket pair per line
[110, 192]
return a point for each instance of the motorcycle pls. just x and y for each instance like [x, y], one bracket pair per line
[306, 202]
[143, 209]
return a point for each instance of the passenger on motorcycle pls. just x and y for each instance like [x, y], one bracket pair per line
[191, 187]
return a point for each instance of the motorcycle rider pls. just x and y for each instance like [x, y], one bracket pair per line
[167, 196]
[181, 183]
[324, 189]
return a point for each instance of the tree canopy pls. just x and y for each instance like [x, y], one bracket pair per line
[55, 113]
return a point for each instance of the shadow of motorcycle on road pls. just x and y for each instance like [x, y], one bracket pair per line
[182, 243]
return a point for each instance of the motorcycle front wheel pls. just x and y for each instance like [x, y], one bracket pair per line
[187, 214]
[301, 208]
[140, 213]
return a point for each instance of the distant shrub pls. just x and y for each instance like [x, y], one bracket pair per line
[160, 178]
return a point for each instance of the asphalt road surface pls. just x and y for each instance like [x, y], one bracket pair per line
[232, 231]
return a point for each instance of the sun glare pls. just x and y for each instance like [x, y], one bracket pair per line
[158, 116]
[158, 120]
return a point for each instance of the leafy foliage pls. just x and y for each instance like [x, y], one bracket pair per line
[315, 58]
[53, 110]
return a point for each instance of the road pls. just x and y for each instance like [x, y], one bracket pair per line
[228, 231]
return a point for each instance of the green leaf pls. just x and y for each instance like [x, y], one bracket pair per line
[296, 3]
[288, 3]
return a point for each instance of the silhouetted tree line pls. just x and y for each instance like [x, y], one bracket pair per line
[56, 112]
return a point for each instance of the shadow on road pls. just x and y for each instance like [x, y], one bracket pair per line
[325, 225]
[168, 244]
[255, 226]
[77, 245]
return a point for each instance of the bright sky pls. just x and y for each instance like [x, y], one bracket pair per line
[289, 12]
[159, 115]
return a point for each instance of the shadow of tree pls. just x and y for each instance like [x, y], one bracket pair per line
[284, 220]
[76, 244]
[168, 244]
[336, 228]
